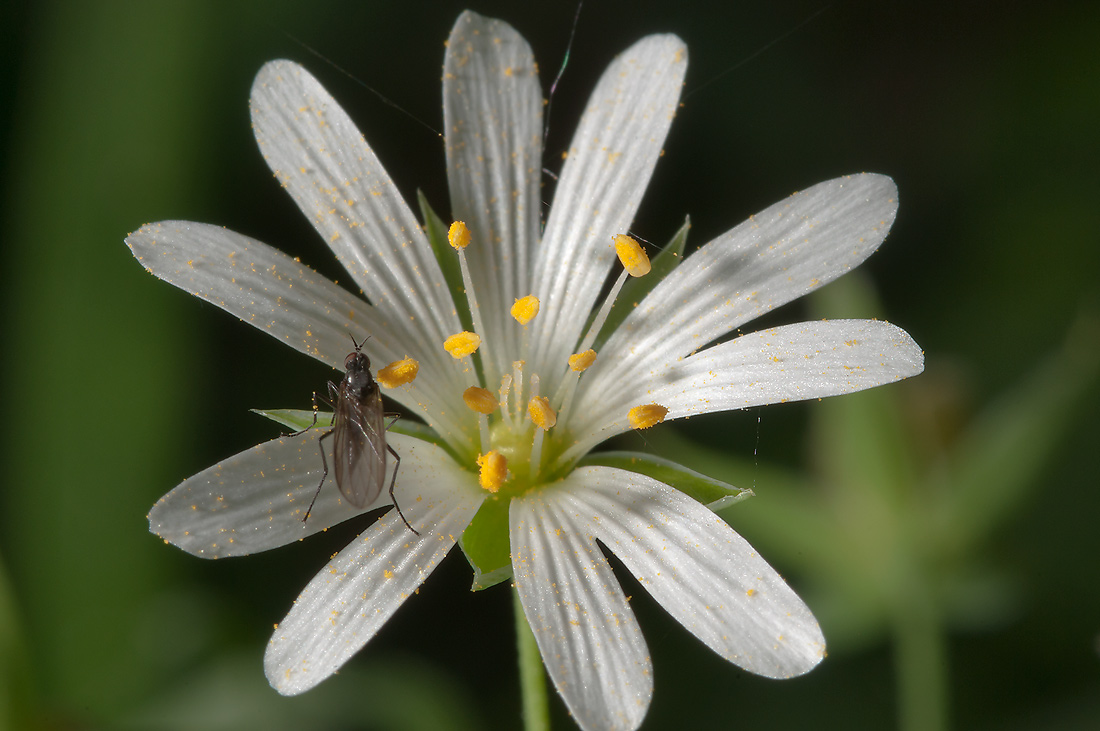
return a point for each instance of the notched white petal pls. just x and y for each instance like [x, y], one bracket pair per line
[791, 363]
[778, 255]
[259, 284]
[286, 299]
[322, 160]
[255, 500]
[610, 162]
[492, 108]
[701, 571]
[360, 589]
[586, 632]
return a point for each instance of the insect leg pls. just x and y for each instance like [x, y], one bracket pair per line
[396, 464]
[315, 409]
[324, 472]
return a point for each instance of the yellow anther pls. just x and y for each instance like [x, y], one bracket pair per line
[462, 344]
[493, 470]
[480, 400]
[458, 235]
[582, 361]
[632, 255]
[525, 309]
[538, 408]
[643, 417]
[398, 373]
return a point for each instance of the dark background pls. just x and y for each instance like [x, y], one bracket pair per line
[117, 386]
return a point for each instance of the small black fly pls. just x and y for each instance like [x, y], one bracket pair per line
[359, 436]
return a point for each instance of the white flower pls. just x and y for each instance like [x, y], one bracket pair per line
[660, 362]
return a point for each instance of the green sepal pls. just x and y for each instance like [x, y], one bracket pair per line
[299, 419]
[486, 545]
[296, 419]
[713, 493]
[447, 257]
[636, 288]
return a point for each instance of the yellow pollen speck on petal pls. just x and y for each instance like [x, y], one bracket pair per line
[643, 417]
[398, 373]
[525, 309]
[494, 468]
[480, 400]
[632, 255]
[458, 236]
[580, 362]
[538, 408]
[462, 344]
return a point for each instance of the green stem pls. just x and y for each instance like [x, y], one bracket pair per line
[532, 681]
[920, 659]
[18, 699]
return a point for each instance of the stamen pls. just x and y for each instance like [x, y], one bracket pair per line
[647, 415]
[458, 236]
[517, 382]
[398, 373]
[635, 263]
[493, 470]
[538, 408]
[505, 391]
[481, 400]
[581, 362]
[462, 344]
[578, 363]
[536, 452]
[525, 309]
[632, 255]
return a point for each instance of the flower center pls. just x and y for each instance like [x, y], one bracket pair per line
[522, 432]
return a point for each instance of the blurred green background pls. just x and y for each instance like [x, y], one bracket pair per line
[944, 530]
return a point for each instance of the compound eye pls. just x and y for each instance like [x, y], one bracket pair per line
[350, 360]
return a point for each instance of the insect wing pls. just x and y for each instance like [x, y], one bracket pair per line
[359, 436]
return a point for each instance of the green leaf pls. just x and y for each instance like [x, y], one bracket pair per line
[862, 442]
[636, 288]
[17, 693]
[998, 460]
[296, 419]
[788, 520]
[486, 545]
[436, 230]
[713, 493]
[299, 419]
[225, 693]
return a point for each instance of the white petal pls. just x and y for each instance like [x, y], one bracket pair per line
[255, 501]
[610, 163]
[325, 164]
[254, 282]
[271, 291]
[704, 574]
[781, 253]
[353, 596]
[588, 637]
[492, 109]
[790, 363]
